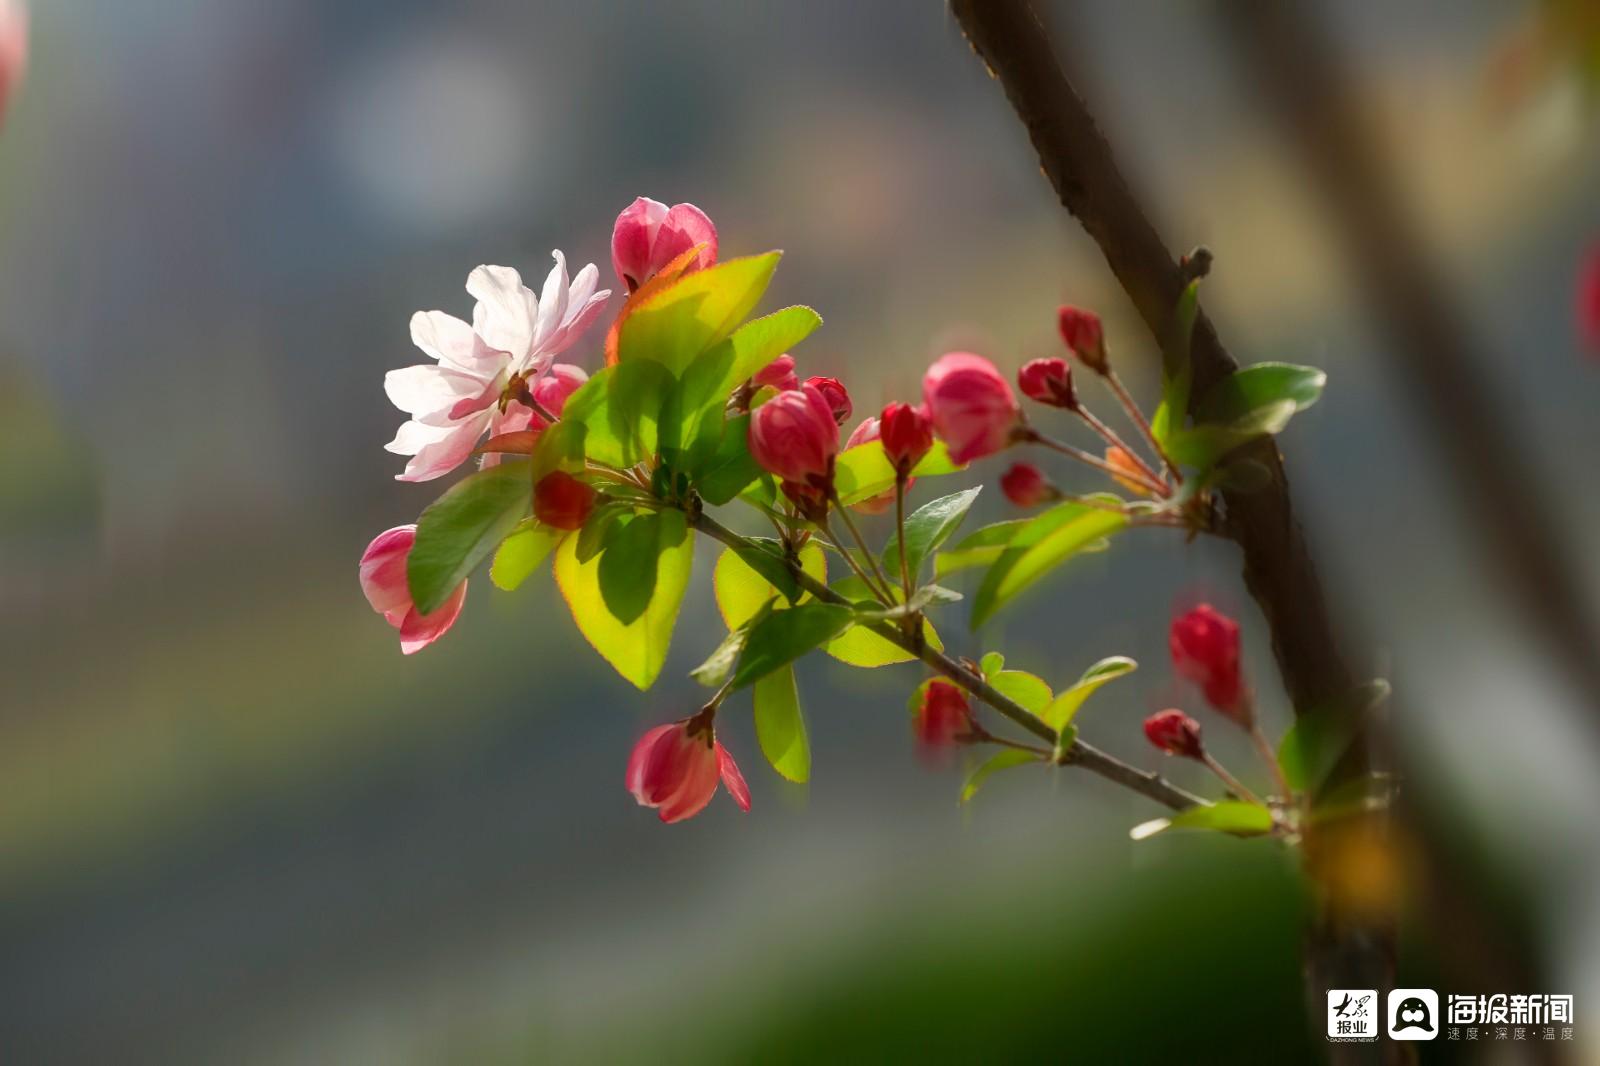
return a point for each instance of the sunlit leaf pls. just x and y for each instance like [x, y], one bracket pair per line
[979, 548]
[636, 650]
[1319, 738]
[744, 581]
[761, 340]
[783, 636]
[731, 468]
[521, 553]
[720, 663]
[1177, 369]
[1065, 706]
[927, 528]
[1234, 817]
[1004, 760]
[1049, 540]
[992, 663]
[1030, 691]
[860, 646]
[628, 564]
[1254, 387]
[923, 598]
[461, 528]
[696, 312]
[780, 729]
[865, 471]
[1201, 446]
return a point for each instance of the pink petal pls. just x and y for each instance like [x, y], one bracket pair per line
[383, 570]
[417, 631]
[692, 227]
[732, 779]
[443, 455]
[639, 759]
[699, 785]
[670, 764]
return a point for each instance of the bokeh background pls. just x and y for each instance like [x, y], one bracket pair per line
[236, 825]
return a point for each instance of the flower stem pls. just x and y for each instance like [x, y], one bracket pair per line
[1112, 438]
[1264, 746]
[900, 533]
[878, 593]
[1032, 436]
[1128, 405]
[1236, 786]
[855, 534]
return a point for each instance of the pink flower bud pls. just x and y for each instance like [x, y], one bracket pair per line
[561, 501]
[13, 49]
[674, 768]
[1205, 649]
[1083, 334]
[1174, 733]
[793, 435]
[865, 433]
[837, 396]
[971, 404]
[649, 235]
[945, 716]
[1589, 300]
[1025, 486]
[779, 374]
[562, 381]
[383, 579]
[907, 434]
[1048, 381]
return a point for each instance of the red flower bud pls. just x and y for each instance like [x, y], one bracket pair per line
[779, 374]
[1048, 381]
[945, 717]
[1205, 650]
[1084, 336]
[1589, 300]
[1174, 733]
[1025, 486]
[971, 404]
[649, 235]
[793, 435]
[562, 501]
[907, 435]
[837, 396]
[675, 768]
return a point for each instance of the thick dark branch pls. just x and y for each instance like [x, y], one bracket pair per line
[1148, 784]
[1079, 163]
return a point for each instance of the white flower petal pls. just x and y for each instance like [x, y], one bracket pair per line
[425, 390]
[506, 310]
[552, 303]
[446, 339]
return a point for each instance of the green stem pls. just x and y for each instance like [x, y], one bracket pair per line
[855, 534]
[1148, 784]
[1138, 418]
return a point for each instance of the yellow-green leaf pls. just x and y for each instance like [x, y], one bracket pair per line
[1049, 540]
[695, 312]
[741, 592]
[780, 729]
[1004, 760]
[1065, 706]
[521, 553]
[865, 471]
[1024, 688]
[859, 646]
[639, 649]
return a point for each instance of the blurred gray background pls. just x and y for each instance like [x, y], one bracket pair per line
[236, 825]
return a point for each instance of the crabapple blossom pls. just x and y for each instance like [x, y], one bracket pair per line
[907, 435]
[1174, 733]
[549, 392]
[562, 501]
[1205, 649]
[514, 334]
[1025, 486]
[1048, 381]
[674, 768]
[971, 404]
[793, 435]
[383, 580]
[648, 235]
[944, 717]
[779, 374]
[1085, 336]
[836, 394]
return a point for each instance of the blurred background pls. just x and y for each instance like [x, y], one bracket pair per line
[236, 825]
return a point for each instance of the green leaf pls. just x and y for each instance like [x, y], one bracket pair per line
[694, 313]
[761, 340]
[1319, 738]
[860, 646]
[597, 528]
[979, 548]
[1254, 387]
[1025, 688]
[783, 636]
[720, 663]
[923, 598]
[1065, 706]
[1049, 540]
[1201, 446]
[521, 553]
[638, 649]
[1234, 817]
[1005, 760]
[747, 579]
[460, 528]
[864, 471]
[927, 528]
[628, 564]
[1177, 370]
[731, 468]
[780, 729]
[992, 663]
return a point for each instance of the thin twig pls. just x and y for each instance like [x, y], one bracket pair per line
[1032, 436]
[1137, 417]
[1112, 438]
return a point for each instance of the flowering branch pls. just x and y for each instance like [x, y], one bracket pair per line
[1078, 753]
